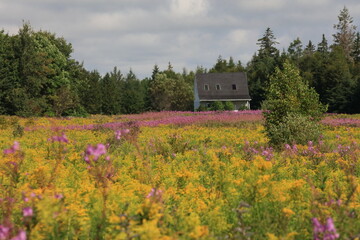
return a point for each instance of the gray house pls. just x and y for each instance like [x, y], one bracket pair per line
[211, 87]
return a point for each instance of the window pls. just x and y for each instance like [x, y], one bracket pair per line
[234, 87]
[218, 87]
[206, 87]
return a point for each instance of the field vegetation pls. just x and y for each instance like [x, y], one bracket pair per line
[176, 175]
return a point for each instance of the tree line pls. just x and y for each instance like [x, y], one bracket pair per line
[38, 76]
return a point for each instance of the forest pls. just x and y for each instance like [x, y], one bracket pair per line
[39, 77]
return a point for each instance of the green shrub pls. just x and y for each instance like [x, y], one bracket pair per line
[295, 128]
[229, 106]
[292, 108]
[217, 106]
[202, 108]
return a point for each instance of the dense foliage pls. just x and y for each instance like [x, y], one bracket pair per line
[38, 76]
[176, 175]
[291, 106]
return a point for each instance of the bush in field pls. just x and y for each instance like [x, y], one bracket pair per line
[292, 108]
[229, 106]
[202, 108]
[217, 106]
[295, 128]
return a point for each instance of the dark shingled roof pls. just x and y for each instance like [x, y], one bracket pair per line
[226, 81]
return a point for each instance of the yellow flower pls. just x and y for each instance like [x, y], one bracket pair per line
[288, 212]
[199, 232]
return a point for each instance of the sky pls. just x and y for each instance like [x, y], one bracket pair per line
[137, 34]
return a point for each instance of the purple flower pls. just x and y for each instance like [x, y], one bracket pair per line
[325, 231]
[28, 212]
[317, 228]
[4, 232]
[15, 147]
[61, 138]
[58, 196]
[95, 152]
[155, 194]
[330, 230]
[20, 236]
[119, 133]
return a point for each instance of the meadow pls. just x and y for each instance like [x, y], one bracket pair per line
[176, 175]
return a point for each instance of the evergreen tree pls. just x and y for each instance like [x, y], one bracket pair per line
[295, 50]
[323, 46]
[267, 44]
[155, 71]
[42, 72]
[132, 95]
[145, 87]
[91, 96]
[112, 87]
[170, 91]
[9, 81]
[220, 66]
[309, 49]
[356, 49]
[161, 92]
[346, 32]
[261, 66]
[338, 87]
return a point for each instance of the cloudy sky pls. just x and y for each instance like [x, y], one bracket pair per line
[136, 34]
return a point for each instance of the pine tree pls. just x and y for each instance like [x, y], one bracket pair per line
[309, 49]
[112, 86]
[9, 80]
[132, 95]
[220, 66]
[92, 95]
[267, 44]
[356, 48]
[338, 86]
[295, 50]
[346, 32]
[155, 71]
[323, 46]
[261, 66]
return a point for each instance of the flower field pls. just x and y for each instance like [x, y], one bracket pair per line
[176, 175]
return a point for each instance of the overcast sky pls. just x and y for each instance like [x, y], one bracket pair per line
[137, 34]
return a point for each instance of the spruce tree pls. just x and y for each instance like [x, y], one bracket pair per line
[261, 66]
[346, 32]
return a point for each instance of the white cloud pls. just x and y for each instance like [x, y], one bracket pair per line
[190, 8]
[241, 37]
[262, 5]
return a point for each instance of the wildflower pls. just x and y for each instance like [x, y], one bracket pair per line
[326, 231]
[95, 152]
[61, 138]
[119, 133]
[155, 194]
[15, 147]
[20, 236]
[288, 212]
[58, 196]
[28, 212]
[4, 232]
